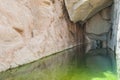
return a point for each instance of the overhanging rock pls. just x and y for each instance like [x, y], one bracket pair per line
[81, 10]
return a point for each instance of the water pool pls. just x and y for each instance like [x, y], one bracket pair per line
[71, 64]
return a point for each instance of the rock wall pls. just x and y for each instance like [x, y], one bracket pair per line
[32, 29]
[101, 24]
[97, 29]
[96, 15]
[115, 40]
[81, 10]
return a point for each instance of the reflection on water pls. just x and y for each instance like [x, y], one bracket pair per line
[70, 64]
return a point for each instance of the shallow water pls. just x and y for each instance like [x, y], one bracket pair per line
[70, 64]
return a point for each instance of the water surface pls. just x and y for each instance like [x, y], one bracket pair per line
[72, 64]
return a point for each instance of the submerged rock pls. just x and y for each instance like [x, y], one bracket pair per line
[98, 63]
[100, 59]
[81, 10]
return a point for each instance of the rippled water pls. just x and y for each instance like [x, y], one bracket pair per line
[72, 64]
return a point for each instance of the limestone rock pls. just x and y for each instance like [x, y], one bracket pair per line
[81, 10]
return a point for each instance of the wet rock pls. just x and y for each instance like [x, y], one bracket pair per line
[81, 10]
[101, 37]
[98, 63]
[99, 59]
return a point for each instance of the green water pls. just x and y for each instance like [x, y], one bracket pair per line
[66, 65]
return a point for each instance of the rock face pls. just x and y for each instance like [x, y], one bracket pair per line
[32, 29]
[54, 67]
[114, 41]
[81, 10]
[99, 24]
[97, 29]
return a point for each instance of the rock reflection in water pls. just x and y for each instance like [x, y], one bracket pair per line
[100, 59]
[70, 64]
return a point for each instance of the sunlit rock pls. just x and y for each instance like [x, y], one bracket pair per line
[81, 10]
[98, 63]
[32, 29]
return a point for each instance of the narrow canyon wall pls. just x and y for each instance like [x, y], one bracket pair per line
[115, 41]
[32, 29]
[82, 10]
[96, 15]
[98, 27]
[102, 27]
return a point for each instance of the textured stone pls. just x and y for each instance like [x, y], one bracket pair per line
[106, 13]
[114, 41]
[97, 29]
[81, 10]
[97, 25]
[32, 29]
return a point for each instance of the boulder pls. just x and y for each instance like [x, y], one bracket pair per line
[81, 10]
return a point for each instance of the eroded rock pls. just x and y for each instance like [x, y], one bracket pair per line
[99, 26]
[32, 29]
[81, 10]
